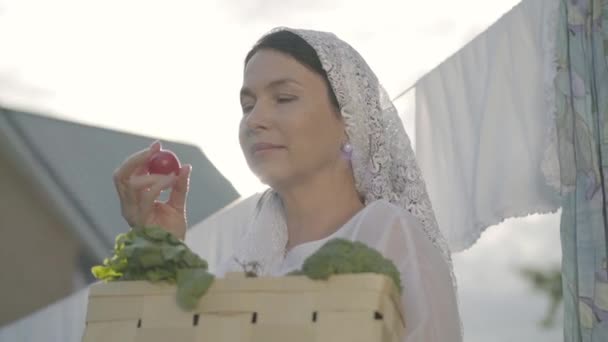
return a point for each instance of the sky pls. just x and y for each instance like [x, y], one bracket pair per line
[173, 70]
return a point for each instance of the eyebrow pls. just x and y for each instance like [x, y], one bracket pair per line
[274, 84]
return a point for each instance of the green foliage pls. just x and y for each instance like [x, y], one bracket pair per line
[548, 282]
[154, 254]
[341, 256]
[192, 284]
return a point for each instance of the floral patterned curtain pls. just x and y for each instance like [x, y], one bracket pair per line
[582, 131]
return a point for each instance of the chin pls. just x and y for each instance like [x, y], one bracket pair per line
[272, 178]
[271, 181]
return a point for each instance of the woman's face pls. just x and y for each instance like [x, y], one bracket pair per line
[289, 131]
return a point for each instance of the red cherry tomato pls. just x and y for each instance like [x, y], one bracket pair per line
[164, 162]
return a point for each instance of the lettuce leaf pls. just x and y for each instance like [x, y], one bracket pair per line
[153, 254]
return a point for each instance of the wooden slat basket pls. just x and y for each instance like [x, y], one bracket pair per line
[361, 307]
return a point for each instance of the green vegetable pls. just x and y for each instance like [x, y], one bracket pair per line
[154, 254]
[192, 284]
[341, 256]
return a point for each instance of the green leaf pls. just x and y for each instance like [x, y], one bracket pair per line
[151, 258]
[171, 252]
[156, 233]
[105, 273]
[192, 284]
[153, 254]
[193, 261]
[159, 274]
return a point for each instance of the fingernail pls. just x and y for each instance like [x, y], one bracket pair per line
[155, 145]
[185, 169]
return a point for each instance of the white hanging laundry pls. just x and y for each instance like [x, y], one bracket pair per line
[482, 123]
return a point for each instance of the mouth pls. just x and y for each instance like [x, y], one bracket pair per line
[263, 148]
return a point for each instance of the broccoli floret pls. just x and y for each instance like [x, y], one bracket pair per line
[341, 256]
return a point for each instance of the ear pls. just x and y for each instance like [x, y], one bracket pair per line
[344, 136]
[338, 114]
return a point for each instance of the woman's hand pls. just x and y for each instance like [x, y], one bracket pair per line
[138, 192]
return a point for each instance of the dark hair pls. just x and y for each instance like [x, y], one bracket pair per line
[295, 46]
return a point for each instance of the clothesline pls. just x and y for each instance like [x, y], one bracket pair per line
[407, 90]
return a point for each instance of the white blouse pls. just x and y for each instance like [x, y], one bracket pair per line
[429, 298]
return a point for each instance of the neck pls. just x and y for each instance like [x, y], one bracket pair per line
[317, 208]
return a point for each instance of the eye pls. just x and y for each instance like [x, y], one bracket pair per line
[286, 98]
[247, 108]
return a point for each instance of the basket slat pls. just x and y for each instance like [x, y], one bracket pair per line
[349, 326]
[222, 327]
[111, 331]
[114, 308]
[165, 335]
[156, 312]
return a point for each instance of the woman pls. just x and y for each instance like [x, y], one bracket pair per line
[318, 128]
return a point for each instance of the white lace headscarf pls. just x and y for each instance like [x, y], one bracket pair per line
[382, 159]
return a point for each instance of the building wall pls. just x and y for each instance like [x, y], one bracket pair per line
[37, 255]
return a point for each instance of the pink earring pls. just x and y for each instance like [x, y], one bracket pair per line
[347, 148]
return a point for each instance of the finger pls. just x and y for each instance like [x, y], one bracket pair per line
[149, 197]
[128, 205]
[135, 161]
[137, 187]
[131, 218]
[127, 194]
[138, 183]
[141, 170]
[177, 198]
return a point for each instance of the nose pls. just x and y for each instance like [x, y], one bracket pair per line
[258, 118]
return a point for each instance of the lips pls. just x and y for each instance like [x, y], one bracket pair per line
[263, 146]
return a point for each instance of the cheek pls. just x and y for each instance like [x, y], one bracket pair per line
[314, 141]
[243, 139]
[242, 133]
